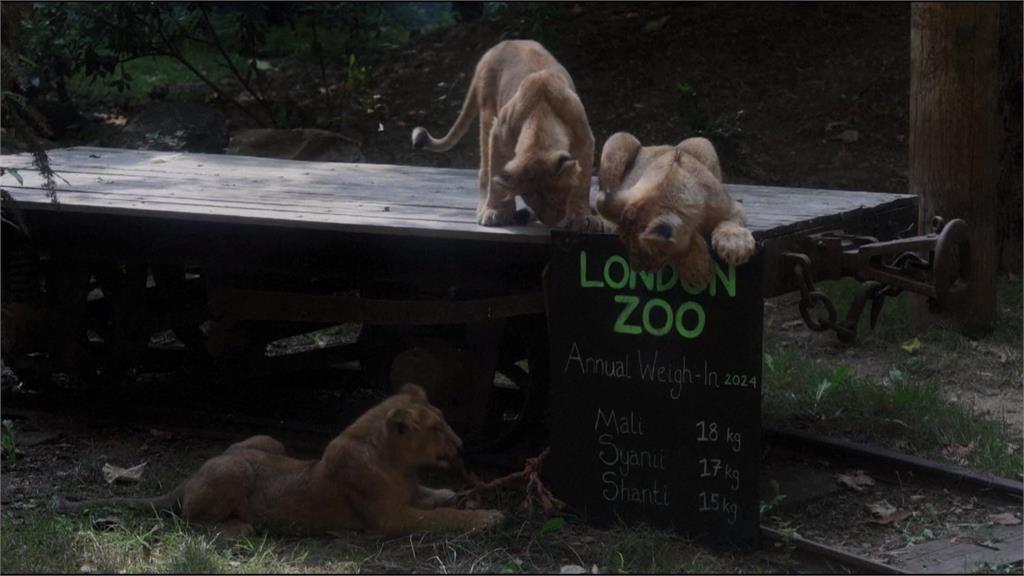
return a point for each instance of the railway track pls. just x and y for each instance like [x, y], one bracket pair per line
[794, 453]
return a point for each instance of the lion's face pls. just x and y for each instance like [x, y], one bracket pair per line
[417, 431]
[652, 235]
[546, 182]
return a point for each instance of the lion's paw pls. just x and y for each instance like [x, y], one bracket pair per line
[590, 223]
[733, 243]
[488, 519]
[443, 497]
[495, 217]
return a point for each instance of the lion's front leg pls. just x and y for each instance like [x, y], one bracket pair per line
[410, 520]
[427, 498]
[497, 207]
[694, 264]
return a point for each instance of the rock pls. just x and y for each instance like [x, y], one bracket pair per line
[296, 144]
[173, 126]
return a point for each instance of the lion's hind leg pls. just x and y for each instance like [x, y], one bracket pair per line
[261, 442]
[704, 152]
[218, 493]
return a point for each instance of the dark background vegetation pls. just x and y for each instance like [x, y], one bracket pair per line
[797, 94]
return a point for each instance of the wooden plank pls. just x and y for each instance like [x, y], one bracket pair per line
[352, 179]
[369, 198]
[533, 233]
[456, 191]
[120, 188]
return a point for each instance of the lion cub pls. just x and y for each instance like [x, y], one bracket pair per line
[366, 480]
[535, 140]
[665, 200]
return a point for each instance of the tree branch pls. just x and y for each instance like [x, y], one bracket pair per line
[231, 65]
[172, 51]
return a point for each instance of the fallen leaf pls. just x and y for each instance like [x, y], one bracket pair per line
[572, 569]
[655, 25]
[917, 497]
[855, 480]
[958, 452]
[792, 324]
[1004, 519]
[988, 544]
[880, 508]
[911, 346]
[106, 523]
[849, 136]
[113, 473]
[162, 434]
[884, 513]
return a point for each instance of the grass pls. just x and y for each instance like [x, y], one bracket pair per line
[45, 542]
[909, 407]
[910, 416]
[40, 543]
[49, 543]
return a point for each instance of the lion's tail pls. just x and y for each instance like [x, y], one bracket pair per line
[470, 107]
[169, 502]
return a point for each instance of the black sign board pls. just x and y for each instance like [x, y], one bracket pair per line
[655, 392]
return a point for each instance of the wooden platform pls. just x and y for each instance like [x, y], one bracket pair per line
[360, 198]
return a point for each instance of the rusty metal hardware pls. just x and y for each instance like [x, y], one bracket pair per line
[936, 265]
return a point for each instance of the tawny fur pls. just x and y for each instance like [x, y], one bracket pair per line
[666, 200]
[535, 140]
[366, 479]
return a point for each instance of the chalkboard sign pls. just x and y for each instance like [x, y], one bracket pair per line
[655, 392]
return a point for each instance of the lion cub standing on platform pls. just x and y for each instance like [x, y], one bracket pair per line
[365, 480]
[665, 200]
[535, 140]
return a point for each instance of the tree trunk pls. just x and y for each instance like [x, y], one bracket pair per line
[1011, 191]
[955, 134]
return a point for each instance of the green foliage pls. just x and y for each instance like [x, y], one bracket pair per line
[914, 415]
[102, 44]
[553, 525]
[513, 566]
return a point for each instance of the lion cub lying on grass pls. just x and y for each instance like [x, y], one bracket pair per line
[535, 140]
[365, 480]
[665, 200]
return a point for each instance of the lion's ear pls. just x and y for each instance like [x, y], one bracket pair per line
[401, 421]
[413, 390]
[617, 158]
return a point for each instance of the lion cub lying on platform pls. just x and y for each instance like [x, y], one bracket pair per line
[366, 479]
[535, 140]
[665, 200]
